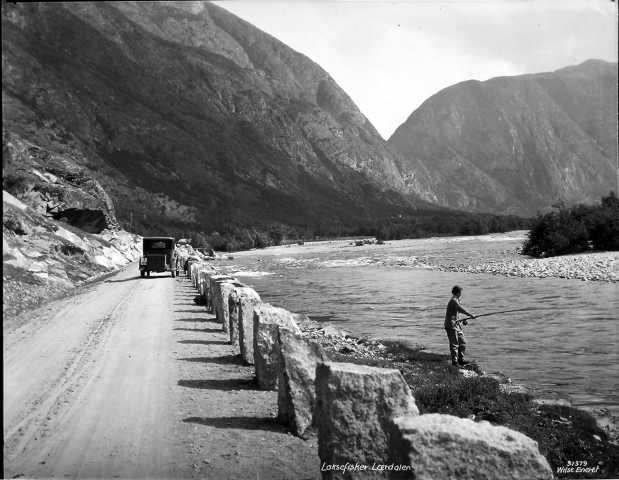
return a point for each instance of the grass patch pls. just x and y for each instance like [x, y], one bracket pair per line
[477, 396]
[562, 433]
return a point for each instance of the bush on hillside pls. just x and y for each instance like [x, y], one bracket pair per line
[604, 229]
[575, 229]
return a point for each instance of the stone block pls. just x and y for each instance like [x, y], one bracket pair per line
[233, 317]
[296, 394]
[448, 447]
[267, 319]
[247, 299]
[193, 272]
[355, 405]
[225, 287]
[202, 281]
[201, 274]
[210, 288]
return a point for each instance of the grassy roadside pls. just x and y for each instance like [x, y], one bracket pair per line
[564, 434]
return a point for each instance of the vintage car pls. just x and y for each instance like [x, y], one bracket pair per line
[158, 255]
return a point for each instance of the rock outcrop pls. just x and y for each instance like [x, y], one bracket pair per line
[43, 257]
[355, 405]
[53, 184]
[452, 448]
[267, 320]
[296, 394]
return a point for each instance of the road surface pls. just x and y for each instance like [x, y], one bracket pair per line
[131, 379]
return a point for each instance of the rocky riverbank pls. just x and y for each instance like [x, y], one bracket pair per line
[560, 430]
[294, 354]
[502, 256]
[596, 267]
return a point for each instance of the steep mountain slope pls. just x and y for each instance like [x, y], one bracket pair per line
[191, 118]
[518, 144]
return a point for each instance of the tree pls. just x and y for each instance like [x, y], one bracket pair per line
[575, 229]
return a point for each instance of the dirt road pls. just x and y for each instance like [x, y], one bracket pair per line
[131, 379]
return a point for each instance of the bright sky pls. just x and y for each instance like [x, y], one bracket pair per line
[390, 56]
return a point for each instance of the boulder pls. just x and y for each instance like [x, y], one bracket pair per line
[233, 317]
[296, 395]
[447, 447]
[203, 285]
[202, 280]
[225, 287]
[201, 274]
[194, 270]
[210, 285]
[247, 299]
[354, 408]
[267, 319]
[217, 297]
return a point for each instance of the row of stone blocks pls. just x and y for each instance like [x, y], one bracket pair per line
[231, 302]
[367, 422]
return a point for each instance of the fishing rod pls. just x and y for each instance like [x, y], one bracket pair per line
[464, 320]
[504, 311]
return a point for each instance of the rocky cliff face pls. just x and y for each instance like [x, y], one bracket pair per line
[42, 257]
[189, 116]
[518, 144]
[55, 185]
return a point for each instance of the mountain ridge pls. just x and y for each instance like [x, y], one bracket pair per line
[193, 120]
[555, 129]
[237, 123]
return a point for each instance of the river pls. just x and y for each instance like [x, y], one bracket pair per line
[562, 341]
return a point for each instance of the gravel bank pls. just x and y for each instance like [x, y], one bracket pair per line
[598, 267]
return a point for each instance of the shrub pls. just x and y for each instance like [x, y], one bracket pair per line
[575, 229]
[604, 230]
[479, 396]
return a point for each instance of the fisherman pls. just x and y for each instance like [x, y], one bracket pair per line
[457, 344]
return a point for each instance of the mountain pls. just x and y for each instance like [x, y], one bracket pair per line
[192, 119]
[517, 144]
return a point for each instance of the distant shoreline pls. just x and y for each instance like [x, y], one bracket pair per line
[589, 266]
[586, 266]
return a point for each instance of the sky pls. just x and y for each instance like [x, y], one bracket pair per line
[390, 56]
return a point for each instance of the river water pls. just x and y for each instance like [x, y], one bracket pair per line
[562, 341]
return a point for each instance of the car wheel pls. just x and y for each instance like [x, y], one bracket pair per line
[142, 273]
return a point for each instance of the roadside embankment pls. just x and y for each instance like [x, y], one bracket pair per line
[374, 407]
[44, 258]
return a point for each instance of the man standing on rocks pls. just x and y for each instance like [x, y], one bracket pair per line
[457, 344]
